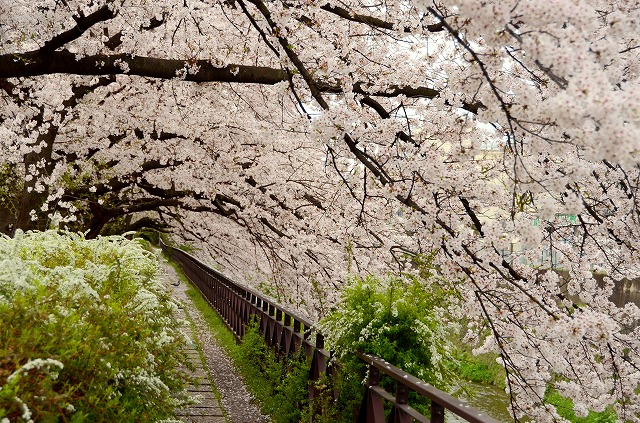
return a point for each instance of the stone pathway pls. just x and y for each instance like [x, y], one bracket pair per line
[209, 410]
[225, 395]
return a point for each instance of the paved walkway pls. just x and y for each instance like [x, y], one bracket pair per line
[225, 395]
[209, 410]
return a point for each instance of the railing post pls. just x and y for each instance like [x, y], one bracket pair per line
[270, 327]
[225, 303]
[277, 330]
[245, 314]
[236, 313]
[371, 408]
[254, 310]
[264, 324]
[297, 340]
[437, 412]
[285, 338]
[402, 398]
[318, 366]
[308, 348]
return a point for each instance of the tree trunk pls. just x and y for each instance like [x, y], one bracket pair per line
[98, 220]
[31, 199]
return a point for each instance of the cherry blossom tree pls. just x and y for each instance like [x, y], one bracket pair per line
[303, 140]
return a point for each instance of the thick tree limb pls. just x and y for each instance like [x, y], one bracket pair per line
[147, 222]
[38, 63]
[371, 20]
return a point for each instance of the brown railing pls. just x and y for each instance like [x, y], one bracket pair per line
[287, 333]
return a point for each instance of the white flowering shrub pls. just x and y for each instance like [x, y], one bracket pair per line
[87, 331]
[396, 319]
[403, 321]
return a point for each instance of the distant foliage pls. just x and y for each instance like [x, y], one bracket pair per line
[87, 332]
[566, 409]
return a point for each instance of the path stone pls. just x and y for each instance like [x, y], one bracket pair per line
[220, 380]
[209, 410]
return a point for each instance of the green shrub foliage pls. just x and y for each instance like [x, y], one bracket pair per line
[87, 332]
[401, 320]
[565, 408]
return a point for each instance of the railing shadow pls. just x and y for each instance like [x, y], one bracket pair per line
[287, 333]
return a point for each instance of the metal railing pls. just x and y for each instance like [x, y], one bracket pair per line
[287, 333]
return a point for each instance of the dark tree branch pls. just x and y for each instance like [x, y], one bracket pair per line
[371, 20]
[472, 214]
[485, 72]
[38, 63]
[147, 222]
[366, 160]
[116, 184]
[257, 27]
[288, 49]
[355, 17]
[277, 231]
[381, 111]
[83, 23]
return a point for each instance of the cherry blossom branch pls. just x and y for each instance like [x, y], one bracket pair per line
[31, 197]
[335, 166]
[472, 214]
[496, 334]
[503, 105]
[513, 276]
[367, 160]
[147, 222]
[257, 27]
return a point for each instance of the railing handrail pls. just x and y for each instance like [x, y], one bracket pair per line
[237, 312]
[423, 388]
[230, 282]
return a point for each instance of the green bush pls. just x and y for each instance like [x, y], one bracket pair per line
[150, 235]
[564, 407]
[399, 320]
[482, 369]
[87, 332]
